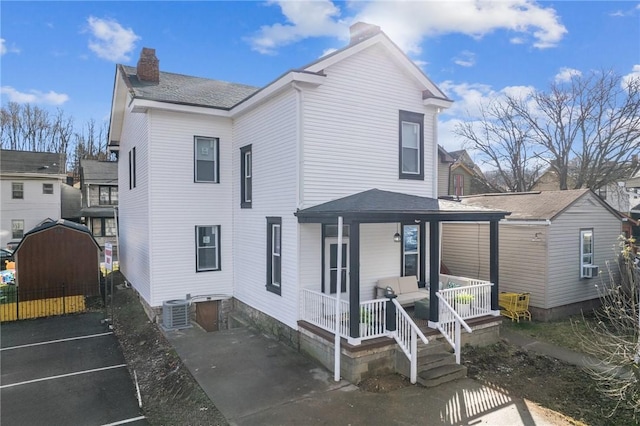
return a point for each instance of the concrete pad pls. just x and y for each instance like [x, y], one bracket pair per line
[254, 380]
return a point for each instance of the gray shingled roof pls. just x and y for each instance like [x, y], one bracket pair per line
[545, 205]
[94, 171]
[60, 222]
[187, 90]
[46, 163]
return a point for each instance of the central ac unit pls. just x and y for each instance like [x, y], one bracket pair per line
[590, 271]
[175, 314]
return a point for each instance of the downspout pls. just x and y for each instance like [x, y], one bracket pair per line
[299, 144]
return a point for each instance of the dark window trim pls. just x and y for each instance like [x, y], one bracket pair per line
[110, 188]
[274, 288]
[411, 117]
[50, 186]
[218, 249]
[103, 226]
[403, 253]
[216, 160]
[132, 168]
[244, 180]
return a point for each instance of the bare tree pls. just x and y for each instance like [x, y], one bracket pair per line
[614, 336]
[503, 141]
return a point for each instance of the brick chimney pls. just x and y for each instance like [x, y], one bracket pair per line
[148, 68]
[361, 30]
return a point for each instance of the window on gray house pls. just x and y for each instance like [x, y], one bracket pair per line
[208, 248]
[103, 226]
[206, 159]
[274, 254]
[411, 145]
[47, 188]
[108, 195]
[586, 253]
[246, 177]
[17, 190]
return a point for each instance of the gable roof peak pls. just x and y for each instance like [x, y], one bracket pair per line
[362, 30]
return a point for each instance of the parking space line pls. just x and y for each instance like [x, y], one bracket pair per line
[122, 422]
[57, 341]
[62, 376]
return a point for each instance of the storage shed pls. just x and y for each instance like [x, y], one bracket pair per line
[555, 245]
[55, 259]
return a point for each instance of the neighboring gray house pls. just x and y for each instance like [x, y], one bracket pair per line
[554, 245]
[99, 187]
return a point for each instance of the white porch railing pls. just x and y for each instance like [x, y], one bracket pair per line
[470, 301]
[406, 335]
[449, 323]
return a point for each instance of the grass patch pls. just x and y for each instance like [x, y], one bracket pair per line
[565, 333]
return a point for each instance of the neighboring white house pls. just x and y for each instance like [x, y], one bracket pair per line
[555, 245]
[31, 191]
[229, 190]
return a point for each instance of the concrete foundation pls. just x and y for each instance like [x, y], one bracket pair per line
[560, 312]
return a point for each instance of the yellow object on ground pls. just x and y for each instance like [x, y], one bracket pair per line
[514, 305]
[41, 308]
[104, 270]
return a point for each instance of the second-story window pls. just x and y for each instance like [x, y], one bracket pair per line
[108, 195]
[411, 145]
[47, 188]
[206, 160]
[17, 190]
[246, 176]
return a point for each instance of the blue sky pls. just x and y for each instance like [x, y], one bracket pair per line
[63, 54]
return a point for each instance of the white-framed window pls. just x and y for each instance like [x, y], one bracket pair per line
[17, 228]
[411, 250]
[411, 145]
[208, 248]
[206, 158]
[47, 188]
[246, 184]
[586, 252]
[17, 190]
[108, 195]
[274, 254]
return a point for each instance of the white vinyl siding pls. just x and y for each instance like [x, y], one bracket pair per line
[271, 131]
[354, 113]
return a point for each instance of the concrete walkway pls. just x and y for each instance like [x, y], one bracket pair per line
[254, 380]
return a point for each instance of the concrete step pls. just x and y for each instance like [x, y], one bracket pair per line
[443, 374]
[425, 361]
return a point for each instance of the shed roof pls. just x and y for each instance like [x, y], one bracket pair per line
[45, 163]
[95, 171]
[52, 224]
[188, 90]
[537, 205]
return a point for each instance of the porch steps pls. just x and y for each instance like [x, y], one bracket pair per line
[436, 364]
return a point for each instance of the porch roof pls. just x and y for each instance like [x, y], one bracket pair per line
[379, 206]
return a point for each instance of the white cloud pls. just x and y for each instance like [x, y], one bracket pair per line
[304, 19]
[110, 40]
[4, 49]
[566, 74]
[465, 59]
[634, 74]
[407, 23]
[34, 96]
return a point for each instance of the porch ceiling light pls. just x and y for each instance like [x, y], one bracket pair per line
[396, 237]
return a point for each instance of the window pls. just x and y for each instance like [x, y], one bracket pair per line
[47, 188]
[410, 250]
[17, 229]
[206, 160]
[245, 176]
[602, 192]
[411, 143]
[208, 248]
[17, 190]
[103, 227]
[108, 195]
[586, 252]
[132, 168]
[458, 185]
[274, 254]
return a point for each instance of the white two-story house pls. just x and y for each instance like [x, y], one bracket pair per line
[31, 191]
[233, 191]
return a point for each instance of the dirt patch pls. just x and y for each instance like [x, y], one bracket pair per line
[384, 383]
[170, 395]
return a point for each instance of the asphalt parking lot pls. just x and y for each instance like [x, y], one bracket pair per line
[65, 371]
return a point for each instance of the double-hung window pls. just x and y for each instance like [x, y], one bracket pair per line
[411, 145]
[208, 248]
[245, 176]
[410, 250]
[17, 228]
[108, 195]
[17, 190]
[47, 188]
[274, 254]
[206, 160]
[586, 253]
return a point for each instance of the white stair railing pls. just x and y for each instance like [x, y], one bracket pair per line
[406, 335]
[449, 324]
